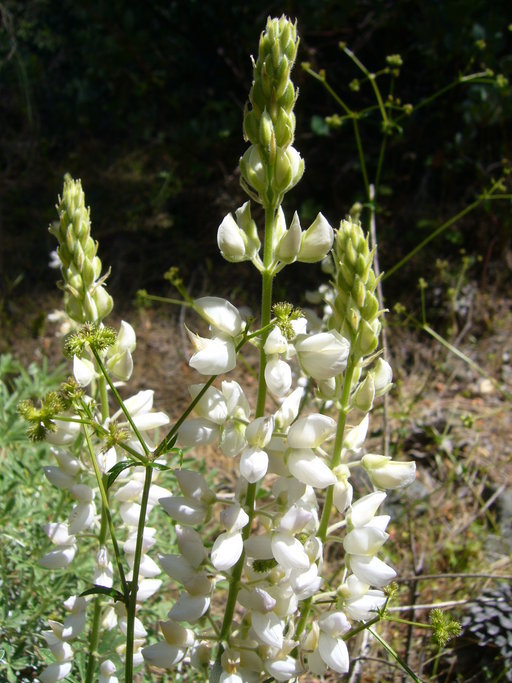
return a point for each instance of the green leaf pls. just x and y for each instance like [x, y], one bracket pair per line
[104, 590]
[160, 466]
[116, 470]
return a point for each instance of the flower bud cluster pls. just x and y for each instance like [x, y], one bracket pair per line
[238, 240]
[271, 166]
[356, 308]
[85, 298]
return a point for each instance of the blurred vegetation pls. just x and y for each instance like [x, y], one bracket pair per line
[144, 102]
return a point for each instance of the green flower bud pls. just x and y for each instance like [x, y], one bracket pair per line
[288, 170]
[103, 301]
[267, 137]
[272, 89]
[85, 298]
[253, 170]
[382, 377]
[368, 338]
[364, 395]
[247, 224]
[356, 308]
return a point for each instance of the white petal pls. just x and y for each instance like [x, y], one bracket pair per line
[278, 376]
[259, 547]
[283, 669]
[64, 434]
[334, 652]
[234, 517]
[193, 485]
[230, 240]
[212, 405]
[58, 533]
[389, 474]
[121, 366]
[73, 625]
[184, 510]
[363, 510]
[130, 513]
[365, 606]
[323, 355]
[310, 469]
[147, 588]
[221, 314]
[217, 356]
[289, 409]
[190, 545]
[295, 519]
[268, 628]
[289, 552]
[227, 550]
[162, 655]
[83, 371]
[253, 464]
[81, 517]
[275, 343]
[55, 672]
[177, 567]
[354, 438]
[129, 492]
[126, 339]
[151, 420]
[316, 241]
[335, 624]
[59, 478]
[197, 432]
[58, 559]
[259, 431]
[256, 599]
[189, 608]
[364, 540]
[342, 495]
[142, 402]
[232, 439]
[371, 570]
[176, 634]
[310, 431]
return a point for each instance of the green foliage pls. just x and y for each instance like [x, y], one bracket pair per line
[25, 498]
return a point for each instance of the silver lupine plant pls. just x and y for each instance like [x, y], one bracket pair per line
[282, 616]
[256, 599]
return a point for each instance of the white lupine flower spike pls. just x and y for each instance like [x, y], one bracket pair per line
[248, 594]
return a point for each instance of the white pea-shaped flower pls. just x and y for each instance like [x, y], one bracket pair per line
[323, 355]
[388, 474]
[316, 241]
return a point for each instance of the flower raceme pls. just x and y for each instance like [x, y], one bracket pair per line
[263, 543]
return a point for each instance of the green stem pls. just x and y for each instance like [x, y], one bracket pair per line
[94, 637]
[106, 508]
[432, 236]
[132, 602]
[250, 496]
[120, 402]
